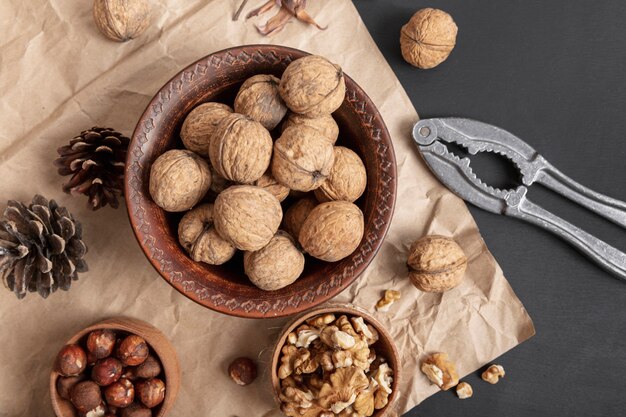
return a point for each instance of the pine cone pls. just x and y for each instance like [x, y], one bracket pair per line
[95, 159]
[41, 247]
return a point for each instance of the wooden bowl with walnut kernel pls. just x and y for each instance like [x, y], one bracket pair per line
[159, 347]
[225, 288]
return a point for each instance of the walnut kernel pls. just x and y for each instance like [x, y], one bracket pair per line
[200, 125]
[387, 300]
[436, 264]
[197, 234]
[259, 99]
[347, 179]
[464, 390]
[428, 38]
[493, 374]
[440, 370]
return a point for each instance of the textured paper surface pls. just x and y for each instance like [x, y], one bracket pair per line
[59, 76]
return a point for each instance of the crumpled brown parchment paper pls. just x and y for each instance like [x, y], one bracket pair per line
[58, 76]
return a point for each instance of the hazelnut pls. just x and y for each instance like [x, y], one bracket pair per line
[66, 383]
[258, 98]
[197, 234]
[240, 149]
[302, 159]
[269, 183]
[91, 359]
[464, 390]
[120, 394]
[247, 216]
[85, 396]
[332, 231]
[106, 371]
[178, 180]
[200, 124]
[493, 374]
[325, 124]
[150, 368]
[133, 350]
[242, 371]
[428, 38]
[151, 392]
[71, 360]
[313, 86]
[296, 215]
[121, 20]
[347, 179]
[276, 265]
[136, 410]
[436, 264]
[100, 343]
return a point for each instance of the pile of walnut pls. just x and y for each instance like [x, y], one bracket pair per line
[111, 377]
[232, 155]
[329, 368]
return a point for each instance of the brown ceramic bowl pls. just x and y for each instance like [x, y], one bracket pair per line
[385, 346]
[225, 288]
[159, 345]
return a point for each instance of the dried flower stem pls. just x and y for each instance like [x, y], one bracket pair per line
[239, 10]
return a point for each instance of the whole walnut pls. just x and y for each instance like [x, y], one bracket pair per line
[428, 38]
[259, 99]
[313, 86]
[197, 234]
[269, 183]
[247, 216]
[296, 215]
[240, 149]
[347, 179]
[436, 263]
[178, 180]
[332, 230]
[218, 183]
[302, 158]
[276, 265]
[200, 124]
[325, 124]
[121, 20]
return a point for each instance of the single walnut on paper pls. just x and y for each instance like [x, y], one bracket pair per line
[200, 125]
[178, 180]
[197, 234]
[440, 370]
[276, 265]
[428, 38]
[296, 215]
[347, 179]
[121, 20]
[247, 216]
[324, 124]
[258, 98]
[240, 149]
[436, 264]
[302, 159]
[332, 231]
[313, 86]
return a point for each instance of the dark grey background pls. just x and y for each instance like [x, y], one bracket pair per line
[554, 73]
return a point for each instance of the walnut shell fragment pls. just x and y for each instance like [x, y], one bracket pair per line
[347, 179]
[428, 38]
[276, 265]
[121, 20]
[178, 180]
[332, 231]
[436, 264]
[313, 86]
[247, 216]
[197, 234]
[302, 159]
[259, 99]
[200, 125]
[269, 183]
[325, 124]
[241, 149]
[296, 215]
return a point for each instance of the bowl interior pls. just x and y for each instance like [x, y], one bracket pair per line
[226, 287]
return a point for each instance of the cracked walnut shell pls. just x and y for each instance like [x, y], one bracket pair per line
[200, 125]
[302, 159]
[296, 215]
[247, 216]
[241, 149]
[332, 231]
[428, 38]
[276, 265]
[121, 20]
[347, 179]
[197, 234]
[178, 180]
[324, 124]
[259, 99]
[436, 264]
[313, 86]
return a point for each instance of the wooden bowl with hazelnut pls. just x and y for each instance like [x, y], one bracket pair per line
[125, 365]
[336, 357]
[233, 281]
